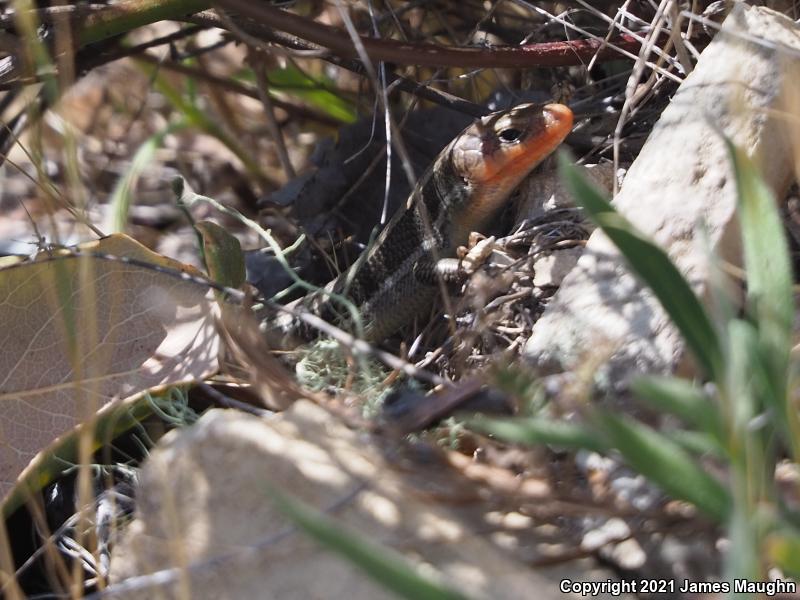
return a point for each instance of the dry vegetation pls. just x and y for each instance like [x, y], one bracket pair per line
[277, 117]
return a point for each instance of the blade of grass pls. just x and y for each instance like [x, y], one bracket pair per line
[652, 265]
[384, 566]
[195, 116]
[750, 448]
[698, 443]
[770, 300]
[540, 431]
[666, 464]
[744, 559]
[294, 82]
[681, 398]
[120, 199]
[766, 255]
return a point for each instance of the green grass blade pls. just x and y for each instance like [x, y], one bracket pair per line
[194, 116]
[666, 464]
[120, 199]
[751, 448]
[681, 398]
[698, 443]
[319, 94]
[381, 564]
[652, 265]
[750, 425]
[540, 431]
[766, 254]
[744, 558]
[770, 301]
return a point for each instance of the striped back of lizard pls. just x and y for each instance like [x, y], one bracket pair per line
[396, 278]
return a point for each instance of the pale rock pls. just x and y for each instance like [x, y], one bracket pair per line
[611, 531]
[545, 192]
[680, 185]
[205, 527]
[550, 268]
[628, 554]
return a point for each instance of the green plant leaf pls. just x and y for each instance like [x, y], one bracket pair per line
[120, 199]
[540, 431]
[296, 83]
[743, 560]
[751, 426]
[681, 398]
[770, 300]
[318, 91]
[223, 254]
[698, 443]
[194, 116]
[766, 254]
[652, 265]
[381, 564]
[666, 464]
[742, 367]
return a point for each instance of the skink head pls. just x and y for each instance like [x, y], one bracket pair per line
[494, 154]
[503, 147]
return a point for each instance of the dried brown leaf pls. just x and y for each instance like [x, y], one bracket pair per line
[82, 329]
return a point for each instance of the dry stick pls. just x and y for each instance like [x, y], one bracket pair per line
[121, 18]
[603, 44]
[633, 80]
[420, 90]
[677, 41]
[615, 24]
[125, 16]
[94, 24]
[108, 21]
[10, 77]
[548, 54]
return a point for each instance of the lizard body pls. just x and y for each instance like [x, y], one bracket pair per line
[395, 279]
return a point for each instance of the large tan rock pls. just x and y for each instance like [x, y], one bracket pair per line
[679, 186]
[205, 526]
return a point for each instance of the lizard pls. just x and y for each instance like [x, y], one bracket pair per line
[397, 277]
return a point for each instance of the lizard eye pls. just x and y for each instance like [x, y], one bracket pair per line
[510, 134]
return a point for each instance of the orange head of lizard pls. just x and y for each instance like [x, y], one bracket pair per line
[494, 154]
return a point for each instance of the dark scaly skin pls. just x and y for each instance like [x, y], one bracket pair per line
[395, 279]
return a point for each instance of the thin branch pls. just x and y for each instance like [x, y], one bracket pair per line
[125, 16]
[547, 54]
[211, 19]
[257, 64]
